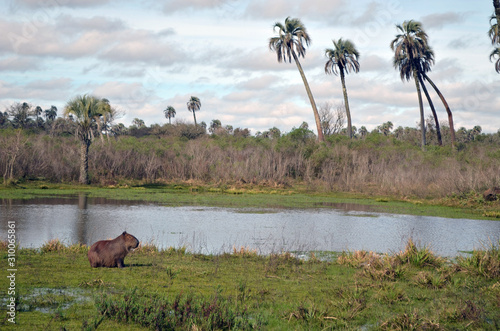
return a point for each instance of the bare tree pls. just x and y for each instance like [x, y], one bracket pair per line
[332, 118]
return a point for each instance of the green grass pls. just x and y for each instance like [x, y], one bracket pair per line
[171, 288]
[252, 197]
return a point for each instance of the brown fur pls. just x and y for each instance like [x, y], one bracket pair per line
[110, 253]
[491, 194]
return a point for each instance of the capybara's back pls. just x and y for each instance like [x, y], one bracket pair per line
[111, 253]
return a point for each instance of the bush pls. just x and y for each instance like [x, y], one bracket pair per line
[483, 262]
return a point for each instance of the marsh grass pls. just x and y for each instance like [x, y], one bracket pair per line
[419, 257]
[55, 245]
[485, 262]
[174, 289]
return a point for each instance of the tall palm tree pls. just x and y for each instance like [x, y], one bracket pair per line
[424, 64]
[446, 107]
[169, 113]
[408, 47]
[341, 60]
[194, 104]
[86, 110]
[496, 6]
[496, 52]
[290, 43]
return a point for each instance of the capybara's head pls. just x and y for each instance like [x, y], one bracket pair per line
[131, 242]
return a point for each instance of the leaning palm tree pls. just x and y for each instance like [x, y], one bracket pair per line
[424, 64]
[194, 104]
[341, 60]
[86, 110]
[408, 47]
[169, 113]
[290, 43]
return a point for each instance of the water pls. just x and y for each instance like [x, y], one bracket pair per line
[210, 230]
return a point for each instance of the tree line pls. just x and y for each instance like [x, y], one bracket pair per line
[89, 118]
[383, 161]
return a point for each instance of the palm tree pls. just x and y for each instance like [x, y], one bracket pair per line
[496, 6]
[446, 106]
[86, 110]
[424, 64]
[37, 112]
[342, 60]
[194, 104]
[169, 113]
[51, 114]
[290, 43]
[496, 52]
[409, 46]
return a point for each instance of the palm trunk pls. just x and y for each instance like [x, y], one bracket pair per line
[420, 104]
[194, 116]
[445, 104]
[346, 103]
[311, 99]
[84, 162]
[99, 130]
[436, 121]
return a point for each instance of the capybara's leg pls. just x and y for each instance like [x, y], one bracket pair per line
[120, 263]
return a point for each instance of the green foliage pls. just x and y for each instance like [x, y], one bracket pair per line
[419, 257]
[171, 289]
[484, 262]
[182, 312]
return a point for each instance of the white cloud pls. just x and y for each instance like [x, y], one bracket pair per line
[143, 58]
[439, 20]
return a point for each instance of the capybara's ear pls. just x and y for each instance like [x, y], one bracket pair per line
[124, 233]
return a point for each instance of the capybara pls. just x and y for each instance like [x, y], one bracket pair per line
[491, 194]
[110, 253]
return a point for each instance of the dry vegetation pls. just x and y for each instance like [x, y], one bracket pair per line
[375, 163]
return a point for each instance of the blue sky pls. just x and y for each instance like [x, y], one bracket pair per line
[146, 55]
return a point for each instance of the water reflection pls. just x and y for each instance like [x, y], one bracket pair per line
[214, 230]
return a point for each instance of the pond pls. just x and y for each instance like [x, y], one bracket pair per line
[211, 230]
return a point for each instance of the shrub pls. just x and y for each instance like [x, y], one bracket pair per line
[418, 257]
[53, 245]
[483, 262]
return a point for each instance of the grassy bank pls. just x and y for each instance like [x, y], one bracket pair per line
[260, 196]
[56, 289]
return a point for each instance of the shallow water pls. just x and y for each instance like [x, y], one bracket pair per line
[212, 230]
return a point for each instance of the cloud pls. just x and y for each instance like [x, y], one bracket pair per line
[173, 6]
[305, 9]
[17, 64]
[438, 21]
[54, 84]
[41, 4]
[374, 63]
[259, 83]
[106, 39]
[36, 91]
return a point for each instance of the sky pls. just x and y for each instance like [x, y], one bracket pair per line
[144, 56]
